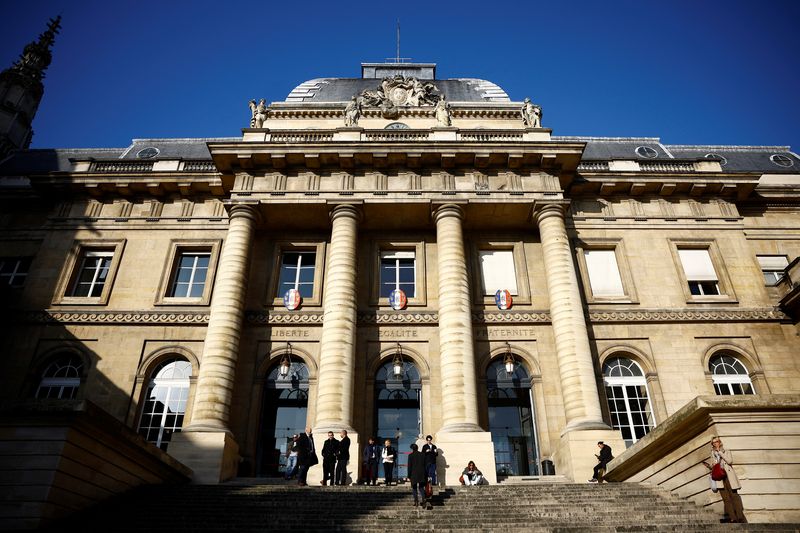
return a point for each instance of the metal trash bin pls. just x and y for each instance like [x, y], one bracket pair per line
[548, 468]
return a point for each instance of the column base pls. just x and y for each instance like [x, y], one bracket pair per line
[353, 466]
[456, 449]
[213, 456]
[574, 456]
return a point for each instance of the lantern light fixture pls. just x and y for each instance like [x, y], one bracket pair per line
[286, 361]
[397, 362]
[509, 360]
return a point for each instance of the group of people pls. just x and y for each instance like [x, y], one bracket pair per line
[302, 455]
[722, 477]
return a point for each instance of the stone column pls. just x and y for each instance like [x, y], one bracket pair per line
[457, 353]
[215, 381]
[578, 385]
[207, 445]
[337, 346]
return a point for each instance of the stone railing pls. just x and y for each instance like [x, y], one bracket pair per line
[301, 136]
[657, 166]
[122, 166]
[762, 432]
[593, 166]
[199, 166]
[396, 135]
[488, 136]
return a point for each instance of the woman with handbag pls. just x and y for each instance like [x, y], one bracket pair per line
[722, 471]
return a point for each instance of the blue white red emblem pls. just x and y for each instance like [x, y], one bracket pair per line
[397, 299]
[292, 299]
[503, 299]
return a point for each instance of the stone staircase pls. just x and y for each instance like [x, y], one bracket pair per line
[539, 507]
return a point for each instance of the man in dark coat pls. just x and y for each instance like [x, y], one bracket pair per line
[431, 453]
[604, 457]
[417, 475]
[371, 455]
[329, 450]
[342, 457]
[306, 456]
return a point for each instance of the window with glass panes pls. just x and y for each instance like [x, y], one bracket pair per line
[628, 401]
[165, 403]
[92, 273]
[297, 272]
[729, 375]
[61, 378]
[700, 273]
[497, 271]
[190, 275]
[603, 273]
[398, 271]
[772, 267]
[14, 270]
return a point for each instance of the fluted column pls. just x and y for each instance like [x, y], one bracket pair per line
[578, 385]
[337, 350]
[215, 380]
[457, 353]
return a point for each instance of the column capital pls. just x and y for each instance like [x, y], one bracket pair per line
[349, 209]
[244, 211]
[545, 209]
[448, 210]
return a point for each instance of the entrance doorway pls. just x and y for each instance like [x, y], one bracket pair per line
[512, 420]
[283, 407]
[398, 402]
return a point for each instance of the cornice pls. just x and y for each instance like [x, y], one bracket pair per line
[116, 317]
[691, 315]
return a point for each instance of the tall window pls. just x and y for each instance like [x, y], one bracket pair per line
[497, 271]
[14, 270]
[297, 272]
[61, 378]
[603, 273]
[772, 266]
[398, 271]
[729, 376]
[190, 275]
[628, 402]
[699, 271]
[92, 273]
[167, 394]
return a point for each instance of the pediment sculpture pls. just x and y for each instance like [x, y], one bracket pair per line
[400, 91]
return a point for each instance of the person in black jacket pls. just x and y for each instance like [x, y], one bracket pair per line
[342, 457]
[329, 450]
[306, 456]
[604, 458]
[431, 453]
[371, 456]
[417, 475]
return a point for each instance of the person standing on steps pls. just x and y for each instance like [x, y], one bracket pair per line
[329, 459]
[431, 453]
[306, 456]
[603, 458]
[729, 491]
[418, 476]
[291, 459]
[342, 457]
[371, 455]
[388, 456]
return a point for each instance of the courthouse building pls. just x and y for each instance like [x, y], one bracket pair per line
[396, 255]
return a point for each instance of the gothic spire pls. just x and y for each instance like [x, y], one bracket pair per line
[36, 56]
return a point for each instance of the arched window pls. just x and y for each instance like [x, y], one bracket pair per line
[729, 375]
[167, 394]
[628, 401]
[61, 378]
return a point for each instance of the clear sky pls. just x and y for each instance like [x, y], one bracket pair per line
[689, 72]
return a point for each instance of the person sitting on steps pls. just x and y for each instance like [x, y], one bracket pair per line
[603, 459]
[471, 475]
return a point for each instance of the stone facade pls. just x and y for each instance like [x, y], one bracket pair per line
[444, 197]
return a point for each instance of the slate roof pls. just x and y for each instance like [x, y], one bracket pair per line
[174, 148]
[343, 89]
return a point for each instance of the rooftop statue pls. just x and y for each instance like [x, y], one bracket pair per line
[442, 112]
[399, 91]
[259, 113]
[353, 112]
[531, 114]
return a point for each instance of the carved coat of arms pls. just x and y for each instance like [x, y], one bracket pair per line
[399, 91]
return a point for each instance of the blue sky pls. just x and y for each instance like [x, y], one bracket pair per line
[689, 72]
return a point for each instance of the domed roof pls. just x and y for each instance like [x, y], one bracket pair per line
[343, 89]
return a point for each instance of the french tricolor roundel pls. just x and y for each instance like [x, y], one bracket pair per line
[503, 299]
[292, 299]
[397, 299]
